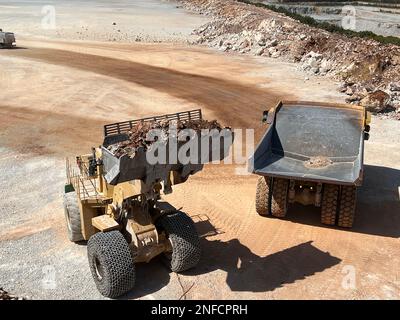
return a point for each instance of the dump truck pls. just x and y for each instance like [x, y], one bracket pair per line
[312, 154]
[114, 203]
[7, 39]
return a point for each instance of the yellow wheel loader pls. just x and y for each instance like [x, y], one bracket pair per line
[115, 204]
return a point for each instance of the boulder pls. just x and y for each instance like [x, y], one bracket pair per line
[264, 25]
[315, 55]
[245, 43]
[259, 37]
[326, 66]
[275, 54]
[394, 86]
[272, 43]
[349, 91]
[259, 52]
[342, 87]
[376, 101]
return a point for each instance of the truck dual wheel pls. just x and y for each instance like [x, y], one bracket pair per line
[72, 216]
[271, 196]
[347, 206]
[111, 263]
[338, 205]
[263, 192]
[330, 196]
[185, 242]
[279, 198]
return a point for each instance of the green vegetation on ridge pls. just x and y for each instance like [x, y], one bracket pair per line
[326, 25]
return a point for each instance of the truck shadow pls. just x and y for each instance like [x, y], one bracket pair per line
[378, 205]
[247, 271]
[14, 48]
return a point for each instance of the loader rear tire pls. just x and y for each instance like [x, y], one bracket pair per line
[185, 242]
[279, 200]
[329, 204]
[347, 207]
[73, 217]
[111, 263]
[263, 195]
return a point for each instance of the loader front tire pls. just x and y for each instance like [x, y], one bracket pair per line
[111, 263]
[73, 217]
[347, 207]
[279, 199]
[185, 242]
[329, 204]
[263, 193]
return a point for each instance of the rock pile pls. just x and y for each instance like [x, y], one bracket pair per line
[369, 71]
[4, 295]
[140, 135]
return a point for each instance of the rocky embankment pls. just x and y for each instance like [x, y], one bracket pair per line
[4, 295]
[369, 71]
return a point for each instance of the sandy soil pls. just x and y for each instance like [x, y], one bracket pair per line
[57, 95]
[118, 20]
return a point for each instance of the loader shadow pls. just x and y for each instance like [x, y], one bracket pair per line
[378, 205]
[150, 277]
[247, 271]
[153, 276]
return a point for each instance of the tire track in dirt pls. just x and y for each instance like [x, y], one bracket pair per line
[39, 132]
[225, 98]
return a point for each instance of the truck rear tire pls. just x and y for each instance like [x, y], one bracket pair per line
[185, 242]
[73, 217]
[263, 195]
[329, 204]
[279, 198]
[111, 263]
[347, 207]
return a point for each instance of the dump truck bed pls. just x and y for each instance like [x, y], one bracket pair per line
[302, 133]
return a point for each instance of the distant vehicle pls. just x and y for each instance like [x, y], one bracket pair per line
[7, 39]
